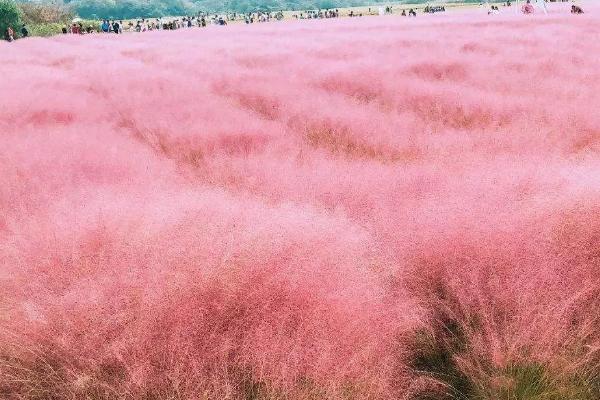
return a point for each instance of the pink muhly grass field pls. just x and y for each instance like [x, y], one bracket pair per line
[372, 208]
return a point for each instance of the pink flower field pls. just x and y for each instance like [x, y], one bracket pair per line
[364, 208]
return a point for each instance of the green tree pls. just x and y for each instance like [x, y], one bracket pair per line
[10, 15]
[326, 4]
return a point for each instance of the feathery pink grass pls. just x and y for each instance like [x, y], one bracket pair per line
[364, 208]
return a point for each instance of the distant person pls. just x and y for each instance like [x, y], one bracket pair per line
[9, 34]
[116, 27]
[65, 30]
[412, 13]
[24, 31]
[527, 8]
[576, 9]
[105, 26]
[404, 13]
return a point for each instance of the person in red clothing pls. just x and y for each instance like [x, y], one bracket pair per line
[527, 8]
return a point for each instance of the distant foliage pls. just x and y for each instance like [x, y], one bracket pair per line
[131, 8]
[10, 15]
[45, 29]
[46, 13]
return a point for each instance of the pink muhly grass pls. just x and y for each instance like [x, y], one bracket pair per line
[371, 208]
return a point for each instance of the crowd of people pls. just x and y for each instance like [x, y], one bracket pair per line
[434, 9]
[319, 14]
[143, 25]
[494, 10]
[259, 16]
[528, 7]
[204, 19]
[10, 36]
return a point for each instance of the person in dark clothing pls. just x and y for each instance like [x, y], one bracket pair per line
[24, 31]
[116, 27]
[576, 9]
[65, 30]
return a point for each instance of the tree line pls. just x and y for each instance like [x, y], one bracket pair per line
[125, 9]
